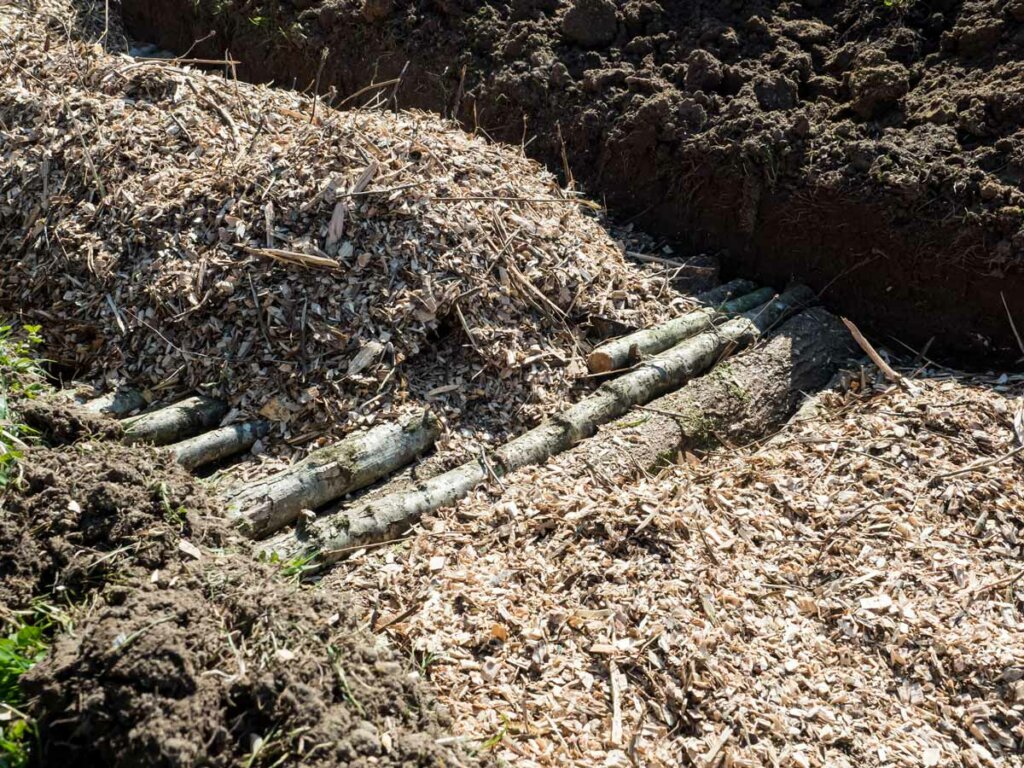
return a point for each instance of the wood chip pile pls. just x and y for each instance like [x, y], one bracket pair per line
[835, 597]
[179, 230]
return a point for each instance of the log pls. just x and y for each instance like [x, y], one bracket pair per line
[722, 293]
[218, 444]
[740, 400]
[628, 350]
[175, 422]
[329, 473]
[328, 539]
[118, 403]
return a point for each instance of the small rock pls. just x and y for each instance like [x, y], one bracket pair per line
[877, 88]
[776, 91]
[703, 72]
[376, 10]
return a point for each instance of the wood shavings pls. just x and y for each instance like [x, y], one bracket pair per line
[793, 603]
[176, 229]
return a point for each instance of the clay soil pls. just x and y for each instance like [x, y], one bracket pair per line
[872, 149]
[182, 649]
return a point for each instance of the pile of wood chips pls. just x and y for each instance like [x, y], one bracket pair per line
[179, 230]
[842, 595]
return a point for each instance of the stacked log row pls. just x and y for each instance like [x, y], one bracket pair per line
[739, 400]
[328, 539]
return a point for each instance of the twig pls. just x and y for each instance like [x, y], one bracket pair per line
[876, 358]
[613, 678]
[1013, 326]
[294, 257]
[980, 465]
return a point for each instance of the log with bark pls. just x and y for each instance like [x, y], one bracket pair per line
[628, 350]
[740, 400]
[219, 444]
[329, 473]
[176, 422]
[327, 539]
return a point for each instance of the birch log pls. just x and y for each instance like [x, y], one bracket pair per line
[218, 444]
[722, 293]
[118, 403]
[175, 422]
[741, 399]
[328, 539]
[329, 473]
[628, 350]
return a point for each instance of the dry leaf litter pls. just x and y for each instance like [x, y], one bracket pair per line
[177, 230]
[828, 598]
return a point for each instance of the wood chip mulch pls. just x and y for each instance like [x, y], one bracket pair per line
[325, 268]
[834, 597]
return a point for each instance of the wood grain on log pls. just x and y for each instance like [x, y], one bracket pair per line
[118, 403]
[218, 444]
[176, 422]
[628, 350]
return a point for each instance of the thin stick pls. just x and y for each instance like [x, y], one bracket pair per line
[1013, 326]
[980, 465]
[876, 358]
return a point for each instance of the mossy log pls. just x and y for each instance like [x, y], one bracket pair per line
[328, 539]
[176, 422]
[219, 444]
[329, 473]
[629, 350]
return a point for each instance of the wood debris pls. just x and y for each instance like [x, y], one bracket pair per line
[179, 231]
[815, 600]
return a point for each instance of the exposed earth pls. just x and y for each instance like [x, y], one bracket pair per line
[182, 649]
[873, 149]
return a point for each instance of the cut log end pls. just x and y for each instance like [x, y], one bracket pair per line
[600, 361]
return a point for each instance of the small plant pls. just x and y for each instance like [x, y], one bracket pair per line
[25, 645]
[20, 377]
[898, 5]
[497, 737]
[294, 568]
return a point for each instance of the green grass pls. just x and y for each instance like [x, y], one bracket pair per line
[20, 377]
[26, 635]
[25, 645]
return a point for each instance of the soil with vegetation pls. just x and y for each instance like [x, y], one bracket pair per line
[177, 647]
[871, 148]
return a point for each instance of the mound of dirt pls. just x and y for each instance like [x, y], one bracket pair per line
[185, 651]
[82, 513]
[63, 423]
[871, 149]
[183, 231]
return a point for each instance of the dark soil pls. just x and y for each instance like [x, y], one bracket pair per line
[873, 150]
[184, 650]
[64, 424]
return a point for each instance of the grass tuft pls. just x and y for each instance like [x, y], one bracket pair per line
[20, 377]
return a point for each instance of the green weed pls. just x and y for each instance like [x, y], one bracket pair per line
[25, 645]
[20, 377]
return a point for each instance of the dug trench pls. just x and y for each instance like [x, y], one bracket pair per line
[872, 150]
